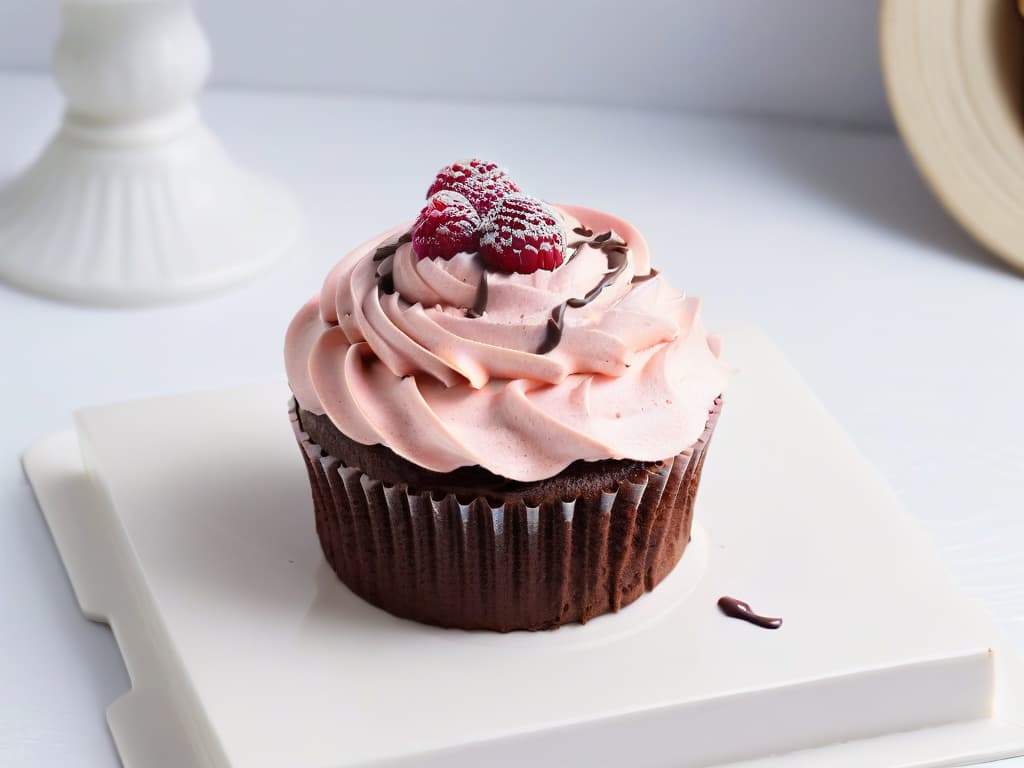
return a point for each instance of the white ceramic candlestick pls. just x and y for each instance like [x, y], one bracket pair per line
[134, 200]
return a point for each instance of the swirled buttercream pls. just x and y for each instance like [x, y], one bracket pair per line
[389, 352]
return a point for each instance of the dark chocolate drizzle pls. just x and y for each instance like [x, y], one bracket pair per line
[386, 280]
[576, 248]
[389, 249]
[644, 278]
[479, 308]
[737, 609]
[615, 251]
[616, 263]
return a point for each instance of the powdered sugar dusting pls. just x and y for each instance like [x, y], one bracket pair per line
[523, 234]
[448, 224]
[483, 183]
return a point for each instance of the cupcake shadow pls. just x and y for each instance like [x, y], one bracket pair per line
[336, 608]
[869, 176]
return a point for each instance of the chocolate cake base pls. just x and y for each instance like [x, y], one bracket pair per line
[474, 550]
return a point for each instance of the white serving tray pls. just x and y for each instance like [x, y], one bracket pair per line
[186, 524]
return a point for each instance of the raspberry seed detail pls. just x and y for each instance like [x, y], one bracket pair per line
[447, 225]
[522, 234]
[481, 182]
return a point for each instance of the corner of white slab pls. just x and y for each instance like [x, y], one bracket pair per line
[245, 651]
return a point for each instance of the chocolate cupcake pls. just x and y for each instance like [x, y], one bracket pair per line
[503, 411]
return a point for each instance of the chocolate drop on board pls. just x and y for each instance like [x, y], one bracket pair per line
[737, 609]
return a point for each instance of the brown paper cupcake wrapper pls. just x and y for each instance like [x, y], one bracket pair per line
[469, 563]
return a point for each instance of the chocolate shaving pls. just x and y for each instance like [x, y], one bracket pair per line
[602, 237]
[583, 231]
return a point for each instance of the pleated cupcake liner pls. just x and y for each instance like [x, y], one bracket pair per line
[430, 556]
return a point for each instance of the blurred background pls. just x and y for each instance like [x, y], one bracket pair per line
[790, 58]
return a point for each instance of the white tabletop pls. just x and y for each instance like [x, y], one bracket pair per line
[826, 238]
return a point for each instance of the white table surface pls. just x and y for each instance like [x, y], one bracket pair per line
[826, 238]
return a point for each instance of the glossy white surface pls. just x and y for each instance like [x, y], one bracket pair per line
[202, 556]
[825, 238]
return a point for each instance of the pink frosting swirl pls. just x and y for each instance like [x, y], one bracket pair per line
[633, 375]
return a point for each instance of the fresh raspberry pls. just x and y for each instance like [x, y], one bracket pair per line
[480, 182]
[447, 225]
[522, 235]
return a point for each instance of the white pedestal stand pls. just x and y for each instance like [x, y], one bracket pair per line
[134, 200]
